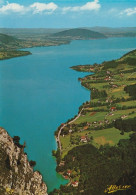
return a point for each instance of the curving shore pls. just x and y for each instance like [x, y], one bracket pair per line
[64, 125]
[96, 139]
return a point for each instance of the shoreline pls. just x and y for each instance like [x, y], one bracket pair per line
[107, 107]
[13, 54]
[69, 122]
[64, 125]
[48, 45]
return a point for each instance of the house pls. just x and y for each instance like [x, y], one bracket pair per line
[106, 121]
[62, 163]
[107, 78]
[66, 177]
[69, 172]
[85, 127]
[100, 122]
[111, 114]
[83, 139]
[88, 124]
[70, 131]
[108, 72]
[107, 101]
[74, 184]
[113, 108]
[114, 86]
[91, 68]
[123, 116]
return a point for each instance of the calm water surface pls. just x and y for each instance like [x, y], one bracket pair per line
[40, 91]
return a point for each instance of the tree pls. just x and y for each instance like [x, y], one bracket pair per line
[32, 163]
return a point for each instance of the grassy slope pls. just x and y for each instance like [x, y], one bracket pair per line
[96, 116]
[96, 122]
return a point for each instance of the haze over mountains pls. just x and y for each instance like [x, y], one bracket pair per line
[12, 39]
[21, 38]
[34, 32]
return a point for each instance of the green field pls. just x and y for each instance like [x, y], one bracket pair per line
[94, 120]
[88, 117]
[109, 136]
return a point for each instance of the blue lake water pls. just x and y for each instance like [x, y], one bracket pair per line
[40, 91]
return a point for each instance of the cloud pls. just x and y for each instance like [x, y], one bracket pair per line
[12, 7]
[129, 11]
[46, 8]
[41, 7]
[35, 8]
[89, 6]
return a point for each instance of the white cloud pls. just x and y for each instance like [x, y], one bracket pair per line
[89, 6]
[34, 8]
[47, 8]
[129, 11]
[41, 7]
[12, 7]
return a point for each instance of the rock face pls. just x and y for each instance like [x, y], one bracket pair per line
[16, 175]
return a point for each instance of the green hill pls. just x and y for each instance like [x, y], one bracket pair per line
[79, 34]
[8, 46]
[8, 42]
[6, 39]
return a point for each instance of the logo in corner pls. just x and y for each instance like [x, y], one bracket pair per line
[114, 188]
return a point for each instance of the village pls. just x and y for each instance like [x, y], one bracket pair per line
[94, 123]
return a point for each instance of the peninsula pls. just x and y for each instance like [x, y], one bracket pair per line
[9, 44]
[12, 40]
[97, 147]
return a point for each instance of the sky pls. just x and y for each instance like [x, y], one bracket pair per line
[67, 13]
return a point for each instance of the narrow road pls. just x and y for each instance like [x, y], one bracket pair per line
[59, 133]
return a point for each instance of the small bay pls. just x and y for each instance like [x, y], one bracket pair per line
[40, 91]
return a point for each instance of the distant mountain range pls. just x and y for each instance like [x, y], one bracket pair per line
[79, 33]
[13, 39]
[24, 33]
[115, 32]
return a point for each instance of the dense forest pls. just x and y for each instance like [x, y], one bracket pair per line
[101, 167]
[95, 94]
[126, 125]
[131, 89]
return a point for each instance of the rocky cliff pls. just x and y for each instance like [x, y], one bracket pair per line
[16, 175]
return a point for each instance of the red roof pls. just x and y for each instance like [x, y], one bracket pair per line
[113, 108]
[83, 137]
[66, 177]
[75, 182]
[69, 171]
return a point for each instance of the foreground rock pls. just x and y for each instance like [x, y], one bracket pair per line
[17, 176]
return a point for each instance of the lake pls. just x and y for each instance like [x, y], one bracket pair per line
[40, 91]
